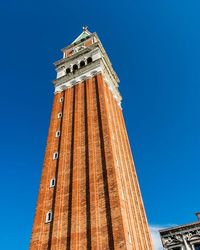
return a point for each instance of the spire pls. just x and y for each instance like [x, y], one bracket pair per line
[83, 35]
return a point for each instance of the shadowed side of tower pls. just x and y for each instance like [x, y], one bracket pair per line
[89, 195]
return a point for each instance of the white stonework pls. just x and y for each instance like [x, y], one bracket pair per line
[100, 64]
[61, 69]
[186, 237]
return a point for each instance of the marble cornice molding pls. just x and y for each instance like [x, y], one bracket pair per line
[73, 57]
[187, 236]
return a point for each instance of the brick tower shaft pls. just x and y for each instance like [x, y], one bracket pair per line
[89, 195]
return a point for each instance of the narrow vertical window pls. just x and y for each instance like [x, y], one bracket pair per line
[68, 71]
[52, 182]
[117, 163]
[58, 133]
[48, 216]
[61, 99]
[59, 115]
[55, 155]
[123, 197]
[129, 236]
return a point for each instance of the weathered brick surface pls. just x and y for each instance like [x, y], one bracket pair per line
[96, 202]
[40, 229]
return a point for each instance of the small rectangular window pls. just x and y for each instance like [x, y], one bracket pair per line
[61, 99]
[55, 155]
[48, 217]
[59, 115]
[129, 236]
[58, 133]
[52, 182]
[123, 197]
[117, 163]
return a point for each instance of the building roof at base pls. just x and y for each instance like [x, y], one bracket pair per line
[180, 228]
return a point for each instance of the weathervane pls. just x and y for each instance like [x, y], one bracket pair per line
[85, 28]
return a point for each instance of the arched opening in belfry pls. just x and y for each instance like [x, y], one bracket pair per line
[89, 60]
[82, 64]
[68, 71]
[75, 68]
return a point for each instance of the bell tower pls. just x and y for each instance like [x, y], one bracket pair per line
[89, 196]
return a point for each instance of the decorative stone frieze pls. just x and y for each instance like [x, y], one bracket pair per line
[184, 237]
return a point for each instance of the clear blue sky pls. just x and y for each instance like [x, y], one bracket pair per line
[155, 49]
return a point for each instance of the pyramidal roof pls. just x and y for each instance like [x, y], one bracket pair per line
[83, 35]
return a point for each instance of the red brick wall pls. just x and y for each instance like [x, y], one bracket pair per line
[96, 203]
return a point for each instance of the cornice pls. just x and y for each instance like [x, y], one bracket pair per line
[76, 55]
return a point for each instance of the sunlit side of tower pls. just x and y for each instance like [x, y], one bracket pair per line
[89, 196]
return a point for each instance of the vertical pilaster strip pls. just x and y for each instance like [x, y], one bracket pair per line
[127, 213]
[74, 206]
[113, 211]
[58, 238]
[71, 161]
[140, 206]
[64, 170]
[98, 207]
[54, 190]
[88, 161]
[40, 229]
[76, 163]
[82, 170]
[93, 227]
[104, 167]
[134, 223]
[52, 168]
[69, 104]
